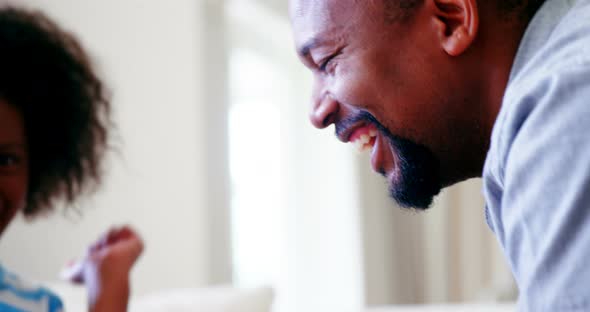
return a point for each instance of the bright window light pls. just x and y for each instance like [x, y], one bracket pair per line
[255, 169]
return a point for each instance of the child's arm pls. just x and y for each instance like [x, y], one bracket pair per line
[105, 271]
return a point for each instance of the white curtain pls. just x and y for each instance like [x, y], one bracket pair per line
[445, 254]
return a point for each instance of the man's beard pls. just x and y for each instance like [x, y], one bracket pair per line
[416, 178]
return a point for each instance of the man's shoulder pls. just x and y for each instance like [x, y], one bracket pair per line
[558, 34]
[567, 47]
[560, 64]
[557, 95]
[550, 87]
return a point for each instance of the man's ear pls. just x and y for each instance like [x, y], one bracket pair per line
[457, 22]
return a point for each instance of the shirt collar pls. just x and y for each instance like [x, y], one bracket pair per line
[538, 32]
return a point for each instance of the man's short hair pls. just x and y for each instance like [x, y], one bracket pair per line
[396, 10]
[525, 9]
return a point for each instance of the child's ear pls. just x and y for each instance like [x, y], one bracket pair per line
[456, 22]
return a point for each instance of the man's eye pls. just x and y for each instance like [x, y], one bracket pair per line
[325, 64]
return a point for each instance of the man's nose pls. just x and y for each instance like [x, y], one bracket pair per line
[324, 111]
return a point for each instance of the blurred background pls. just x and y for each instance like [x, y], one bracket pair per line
[218, 168]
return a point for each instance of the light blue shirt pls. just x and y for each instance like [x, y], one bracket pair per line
[537, 173]
[18, 296]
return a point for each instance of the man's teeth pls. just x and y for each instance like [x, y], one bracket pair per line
[363, 142]
[365, 138]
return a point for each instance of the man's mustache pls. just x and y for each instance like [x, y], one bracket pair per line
[363, 116]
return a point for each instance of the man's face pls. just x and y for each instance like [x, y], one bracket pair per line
[382, 84]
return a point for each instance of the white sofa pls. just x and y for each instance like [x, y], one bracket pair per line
[487, 307]
[215, 299]
[229, 299]
[212, 299]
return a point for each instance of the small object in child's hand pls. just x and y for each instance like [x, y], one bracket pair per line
[73, 271]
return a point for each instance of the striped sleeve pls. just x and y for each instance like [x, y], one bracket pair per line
[18, 296]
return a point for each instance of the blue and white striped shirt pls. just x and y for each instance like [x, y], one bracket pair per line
[18, 296]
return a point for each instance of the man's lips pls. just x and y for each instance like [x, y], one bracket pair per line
[354, 133]
[379, 156]
[366, 136]
[363, 137]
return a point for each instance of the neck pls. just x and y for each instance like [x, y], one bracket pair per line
[499, 46]
[490, 63]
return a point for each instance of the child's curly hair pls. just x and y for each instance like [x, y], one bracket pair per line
[47, 76]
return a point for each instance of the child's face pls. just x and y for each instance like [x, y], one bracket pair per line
[13, 163]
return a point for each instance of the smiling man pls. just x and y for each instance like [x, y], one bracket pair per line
[410, 71]
[445, 90]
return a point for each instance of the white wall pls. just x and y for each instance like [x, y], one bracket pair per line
[149, 54]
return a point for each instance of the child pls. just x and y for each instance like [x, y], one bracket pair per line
[54, 117]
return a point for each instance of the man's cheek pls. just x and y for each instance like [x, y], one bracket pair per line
[355, 91]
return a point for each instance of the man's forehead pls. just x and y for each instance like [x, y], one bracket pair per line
[313, 17]
[329, 9]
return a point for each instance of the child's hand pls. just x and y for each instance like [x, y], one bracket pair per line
[105, 269]
[115, 253]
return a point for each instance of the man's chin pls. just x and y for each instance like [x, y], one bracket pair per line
[414, 181]
[414, 175]
[412, 196]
